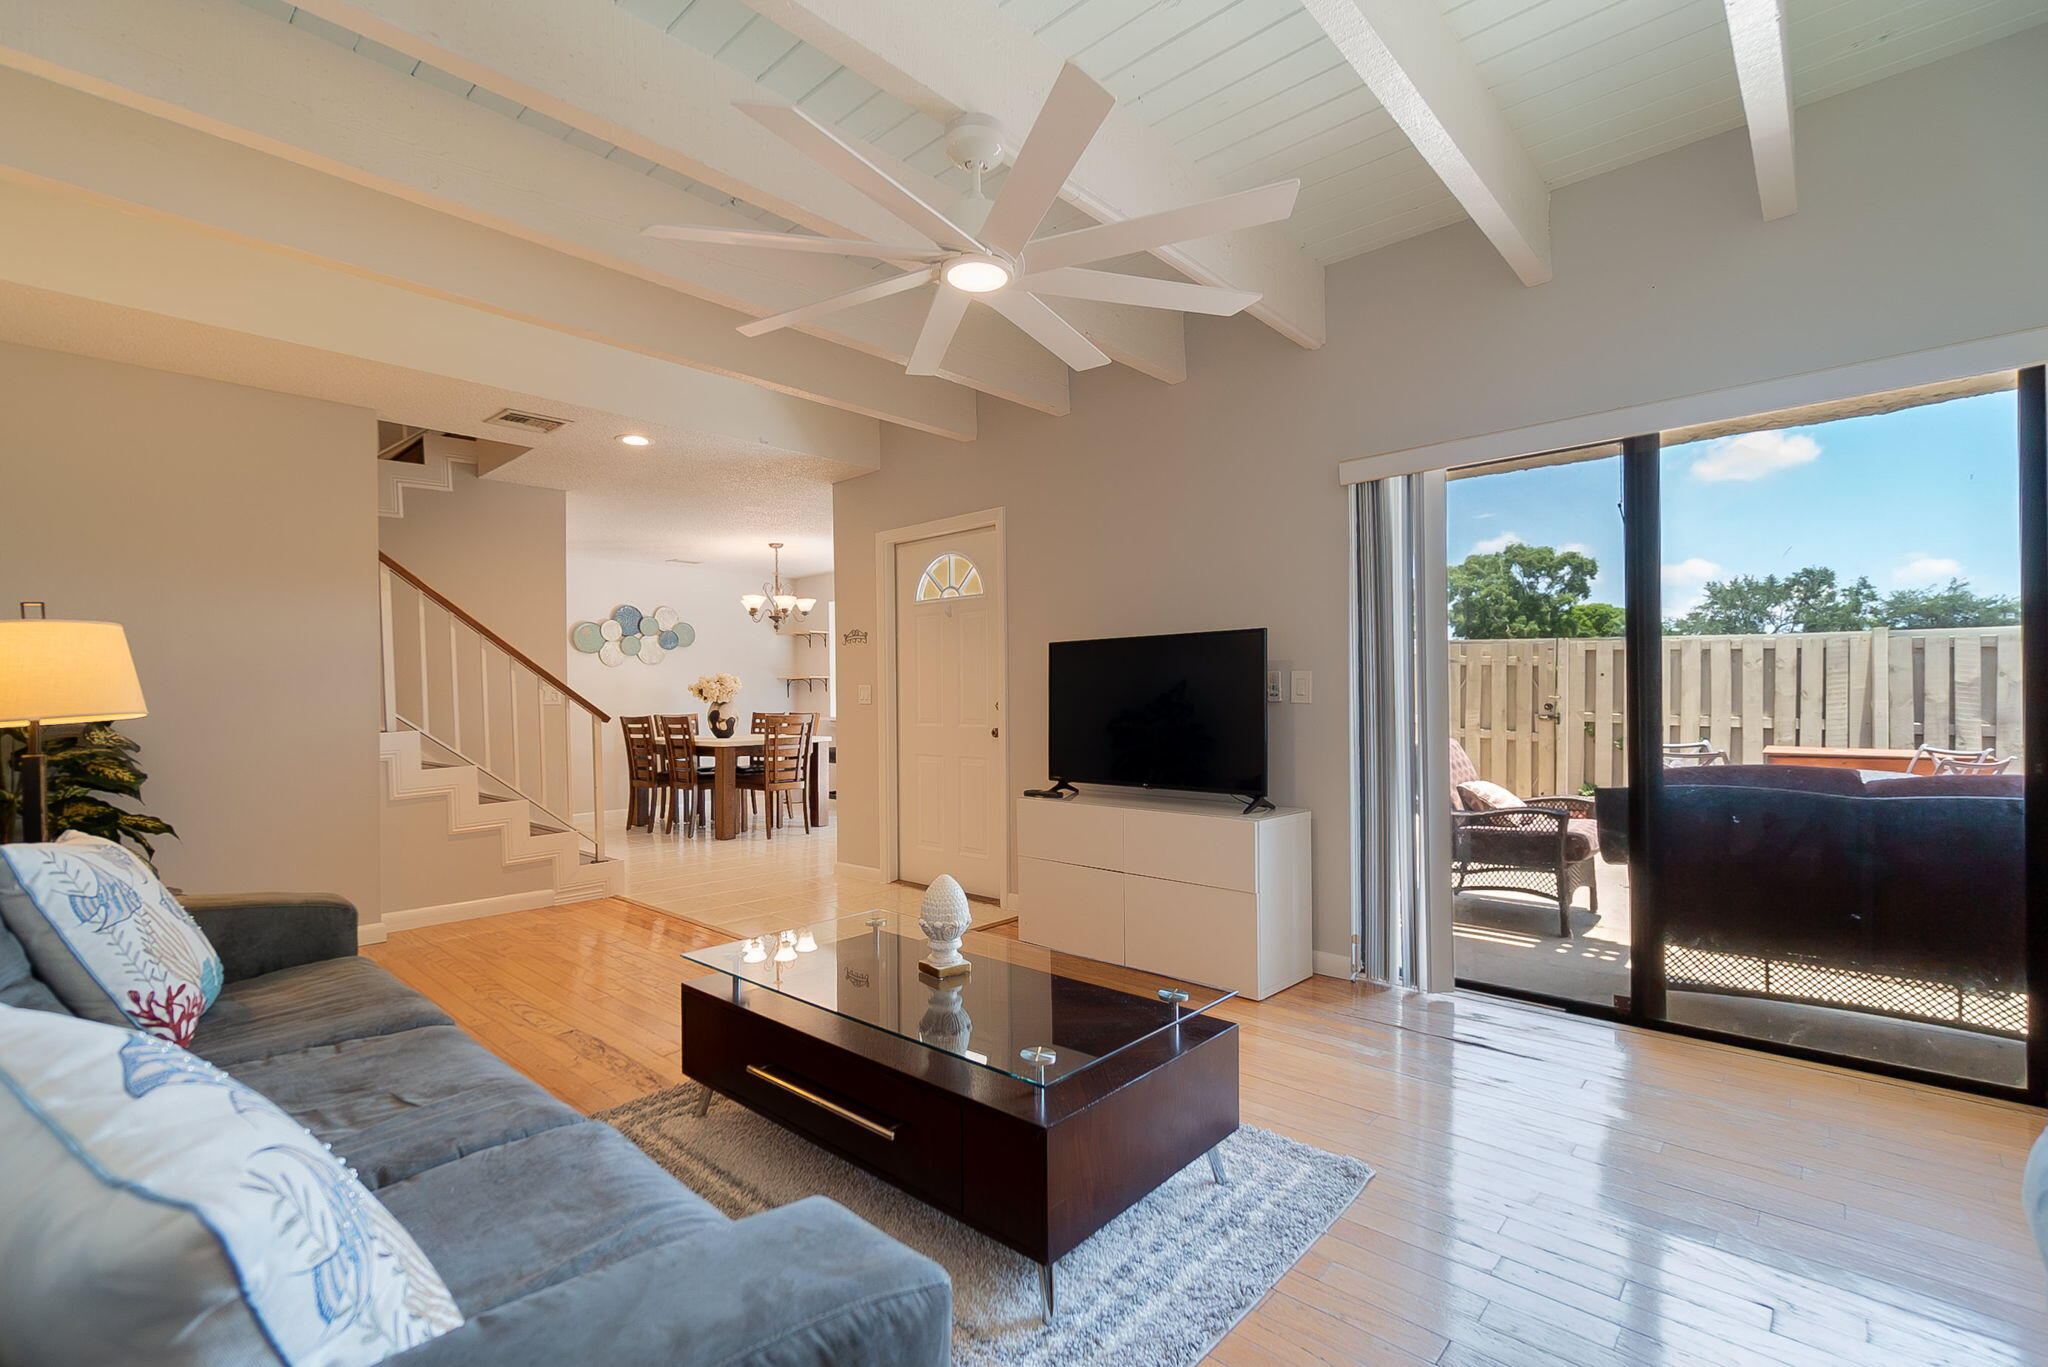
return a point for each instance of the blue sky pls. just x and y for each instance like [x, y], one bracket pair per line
[1907, 498]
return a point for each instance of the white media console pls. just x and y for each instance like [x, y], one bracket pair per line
[1188, 888]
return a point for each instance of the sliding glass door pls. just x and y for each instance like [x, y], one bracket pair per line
[1537, 740]
[1742, 726]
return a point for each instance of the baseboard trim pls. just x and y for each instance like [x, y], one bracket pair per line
[415, 917]
[845, 870]
[369, 933]
[1330, 965]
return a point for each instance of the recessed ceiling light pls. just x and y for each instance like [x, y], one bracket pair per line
[635, 439]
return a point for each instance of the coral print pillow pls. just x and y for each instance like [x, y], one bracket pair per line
[107, 936]
[154, 1210]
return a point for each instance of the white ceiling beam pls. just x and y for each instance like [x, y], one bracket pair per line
[66, 137]
[70, 243]
[595, 66]
[944, 57]
[226, 70]
[1416, 67]
[1757, 30]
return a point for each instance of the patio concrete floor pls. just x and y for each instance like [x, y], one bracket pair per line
[1509, 939]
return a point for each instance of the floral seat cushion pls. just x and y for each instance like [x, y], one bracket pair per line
[107, 936]
[155, 1210]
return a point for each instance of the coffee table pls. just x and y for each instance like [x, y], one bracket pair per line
[1031, 1098]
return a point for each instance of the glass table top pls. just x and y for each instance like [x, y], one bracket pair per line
[1010, 1012]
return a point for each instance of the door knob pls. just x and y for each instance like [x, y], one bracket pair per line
[995, 730]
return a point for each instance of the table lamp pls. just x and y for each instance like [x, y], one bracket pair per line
[60, 672]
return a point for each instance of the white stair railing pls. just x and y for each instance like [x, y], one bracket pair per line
[477, 696]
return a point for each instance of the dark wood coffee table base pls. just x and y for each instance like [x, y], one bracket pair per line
[1039, 1170]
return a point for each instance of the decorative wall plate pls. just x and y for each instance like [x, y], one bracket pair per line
[630, 633]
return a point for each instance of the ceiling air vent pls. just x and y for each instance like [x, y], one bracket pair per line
[526, 422]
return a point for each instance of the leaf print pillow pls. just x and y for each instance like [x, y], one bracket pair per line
[156, 1210]
[107, 936]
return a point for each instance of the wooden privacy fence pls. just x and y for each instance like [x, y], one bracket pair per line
[1546, 716]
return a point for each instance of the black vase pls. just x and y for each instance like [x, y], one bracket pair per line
[722, 726]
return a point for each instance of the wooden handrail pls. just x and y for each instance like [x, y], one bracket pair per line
[493, 637]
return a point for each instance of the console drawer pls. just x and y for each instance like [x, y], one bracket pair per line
[844, 1102]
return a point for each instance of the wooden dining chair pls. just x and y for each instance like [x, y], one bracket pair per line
[646, 773]
[785, 750]
[688, 780]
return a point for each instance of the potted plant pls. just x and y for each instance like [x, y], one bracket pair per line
[82, 765]
[718, 690]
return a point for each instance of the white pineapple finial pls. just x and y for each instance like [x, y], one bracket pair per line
[944, 917]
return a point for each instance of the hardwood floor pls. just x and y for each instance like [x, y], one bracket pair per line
[1551, 1191]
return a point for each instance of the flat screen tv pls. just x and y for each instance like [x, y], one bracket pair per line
[1186, 711]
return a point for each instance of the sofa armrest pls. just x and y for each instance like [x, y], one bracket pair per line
[809, 1284]
[260, 932]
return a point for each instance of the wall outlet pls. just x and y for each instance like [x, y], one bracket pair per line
[867, 693]
[1273, 693]
[1304, 686]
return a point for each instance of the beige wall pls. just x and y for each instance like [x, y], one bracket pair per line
[498, 550]
[708, 597]
[233, 532]
[1215, 503]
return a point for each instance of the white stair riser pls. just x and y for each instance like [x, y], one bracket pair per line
[408, 779]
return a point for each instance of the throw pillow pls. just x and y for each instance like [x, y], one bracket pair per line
[1482, 796]
[107, 936]
[156, 1210]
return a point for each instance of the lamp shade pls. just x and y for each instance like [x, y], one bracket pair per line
[59, 671]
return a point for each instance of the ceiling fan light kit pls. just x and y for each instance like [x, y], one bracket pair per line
[983, 249]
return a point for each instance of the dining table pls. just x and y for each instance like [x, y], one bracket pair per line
[725, 786]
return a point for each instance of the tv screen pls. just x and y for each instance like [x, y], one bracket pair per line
[1185, 711]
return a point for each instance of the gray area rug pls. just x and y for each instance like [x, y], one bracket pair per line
[1157, 1286]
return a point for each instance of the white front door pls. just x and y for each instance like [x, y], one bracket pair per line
[948, 725]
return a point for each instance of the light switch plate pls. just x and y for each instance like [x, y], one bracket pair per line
[1304, 686]
[867, 693]
[1273, 693]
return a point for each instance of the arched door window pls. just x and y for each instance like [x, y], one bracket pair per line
[949, 576]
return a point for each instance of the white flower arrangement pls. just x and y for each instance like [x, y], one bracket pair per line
[716, 689]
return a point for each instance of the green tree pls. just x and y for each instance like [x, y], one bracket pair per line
[1518, 591]
[1806, 600]
[1954, 606]
[1595, 619]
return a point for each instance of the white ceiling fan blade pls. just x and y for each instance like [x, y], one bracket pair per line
[843, 160]
[1065, 126]
[948, 308]
[789, 242]
[1224, 214]
[1046, 328]
[881, 289]
[1073, 282]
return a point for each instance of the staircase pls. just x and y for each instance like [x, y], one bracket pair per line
[474, 725]
[526, 836]
[416, 460]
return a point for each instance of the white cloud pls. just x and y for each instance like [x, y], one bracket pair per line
[1921, 568]
[1496, 543]
[1685, 584]
[1484, 517]
[1753, 455]
[1581, 547]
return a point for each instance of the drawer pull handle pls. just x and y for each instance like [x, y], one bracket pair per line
[871, 1126]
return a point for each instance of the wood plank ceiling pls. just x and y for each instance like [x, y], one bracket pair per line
[1253, 90]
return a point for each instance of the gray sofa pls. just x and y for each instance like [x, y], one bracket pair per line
[560, 1240]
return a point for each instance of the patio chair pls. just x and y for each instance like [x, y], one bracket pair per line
[1690, 754]
[1544, 846]
[1933, 756]
[1986, 765]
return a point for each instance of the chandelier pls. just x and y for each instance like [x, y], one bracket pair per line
[777, 605]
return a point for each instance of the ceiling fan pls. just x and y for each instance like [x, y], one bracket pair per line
[983, 249]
